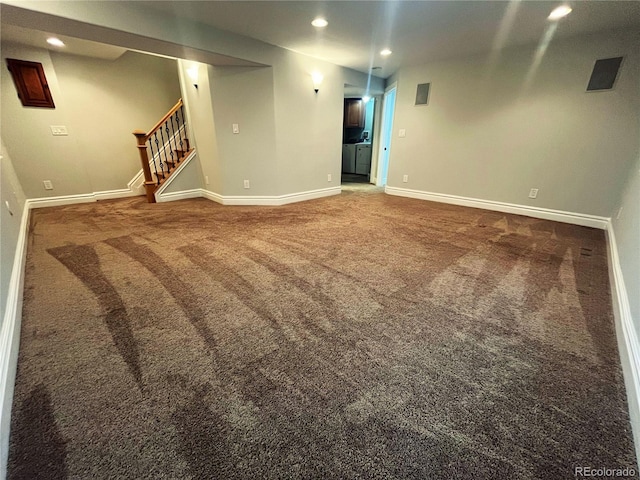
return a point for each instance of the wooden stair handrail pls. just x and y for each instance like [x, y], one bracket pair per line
[161, 122]
[142, 137]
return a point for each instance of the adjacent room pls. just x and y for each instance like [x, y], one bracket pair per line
[320, 239]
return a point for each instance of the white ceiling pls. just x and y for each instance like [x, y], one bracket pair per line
[74, 46]
[416, 31]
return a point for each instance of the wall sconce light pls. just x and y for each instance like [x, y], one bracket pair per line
[193, 75]
[317, 78]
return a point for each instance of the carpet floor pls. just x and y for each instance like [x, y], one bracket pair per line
[356, 336]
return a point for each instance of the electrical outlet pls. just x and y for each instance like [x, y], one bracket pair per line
[402, 133]
[328, 177]
[405, 178]
[206, 179]
[619, 213]
[533, 193]
[236, 129]
[246, 184]
[58, 130]
[47, 184]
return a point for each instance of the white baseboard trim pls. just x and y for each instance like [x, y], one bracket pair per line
[628, 345]
[535, 212]
[137, 182]
[159, 193]
[121, 193]
[57, 201]
[274, 200]
[80, 198]
[215, 197]
[10, 339]
[182, 195]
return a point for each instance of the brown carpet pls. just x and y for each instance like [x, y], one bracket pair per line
[356, 336]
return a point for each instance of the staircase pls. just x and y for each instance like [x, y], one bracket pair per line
[163, 148]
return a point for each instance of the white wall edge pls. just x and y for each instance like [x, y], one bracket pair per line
[628, 346]
[535, 212]
[159, 193]
[10, 339]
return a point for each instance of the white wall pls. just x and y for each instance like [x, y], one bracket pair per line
[308, 127]
[36, 154]
[201, 124]
[110, 99]
[100, 102]
[245, 96]
[627, 232]
[190, 178]
[496, 139]
[10, 217]
[13, 220]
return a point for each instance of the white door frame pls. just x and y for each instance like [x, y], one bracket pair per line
[385, 134]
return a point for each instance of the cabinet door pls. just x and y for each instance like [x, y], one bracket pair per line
[353, 112]
[349, 158]
[363, 159]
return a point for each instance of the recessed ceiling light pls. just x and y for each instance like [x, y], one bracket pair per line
[56, 42]
[385, 52]
[319, 22]
[559, 12]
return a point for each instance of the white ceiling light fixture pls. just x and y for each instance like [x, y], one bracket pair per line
[385, 52]
[56, 42]
[560, 12]
[320, 22]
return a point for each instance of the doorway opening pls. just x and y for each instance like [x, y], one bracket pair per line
[357, 138]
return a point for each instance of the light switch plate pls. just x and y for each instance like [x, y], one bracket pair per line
[402, 133]
[236, 128]
[59, 130]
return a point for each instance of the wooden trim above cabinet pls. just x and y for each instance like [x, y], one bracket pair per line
[31, 83]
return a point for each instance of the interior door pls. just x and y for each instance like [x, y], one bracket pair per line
[388, 109]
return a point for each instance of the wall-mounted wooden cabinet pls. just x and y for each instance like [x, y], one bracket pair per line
[353, 112]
